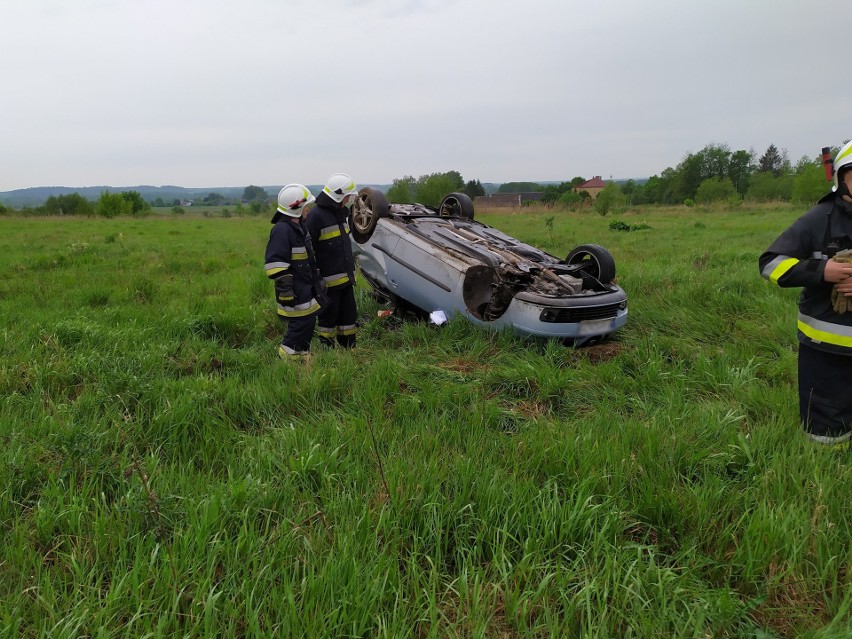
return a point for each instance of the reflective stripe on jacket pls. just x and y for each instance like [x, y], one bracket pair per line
[329, 229]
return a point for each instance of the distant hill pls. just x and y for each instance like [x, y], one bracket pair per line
[36, 196]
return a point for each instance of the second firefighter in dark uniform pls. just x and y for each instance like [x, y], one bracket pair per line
[291, 265]
[804, 256]
[328, 226]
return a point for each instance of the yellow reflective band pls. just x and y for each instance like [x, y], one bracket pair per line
[287, 353]
[824, 337]
[347, 331]
[329, 235]
[840, 156]
[325, 333]
[286, 298]
[274, 271]
[338, 281]
[299, 256]
[288, 311]
[782, 268]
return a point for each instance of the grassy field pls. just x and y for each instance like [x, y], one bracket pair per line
[163, 474]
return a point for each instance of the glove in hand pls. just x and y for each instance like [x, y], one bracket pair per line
[323, 298]
[284, 288]
[321, 290]
[839, 302]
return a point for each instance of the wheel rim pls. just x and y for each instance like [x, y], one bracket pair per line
[362, 216]
[451, 208]
[589, 263]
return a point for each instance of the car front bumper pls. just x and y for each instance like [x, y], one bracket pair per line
[525, 317]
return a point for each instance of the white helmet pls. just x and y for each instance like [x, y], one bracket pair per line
[293, 199]
[842, 161]
[338, 186]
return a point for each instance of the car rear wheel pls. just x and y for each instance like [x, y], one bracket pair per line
[370, 206]
[456, 205]
[595, 260]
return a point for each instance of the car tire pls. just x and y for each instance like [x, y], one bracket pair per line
[456, 205]
[597, 262]
[372, 205]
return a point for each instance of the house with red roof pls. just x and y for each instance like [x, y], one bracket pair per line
[592, 186]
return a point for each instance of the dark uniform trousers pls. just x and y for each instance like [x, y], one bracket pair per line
[337, 320]
[298, 332]
[825, 403]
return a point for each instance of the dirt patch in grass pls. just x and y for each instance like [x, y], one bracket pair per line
[462, 365]
[532, 409]
[273, 331]
[792, 605]
[455, 619]
[604, 352]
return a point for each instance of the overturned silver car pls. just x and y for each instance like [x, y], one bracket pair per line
[441, 259]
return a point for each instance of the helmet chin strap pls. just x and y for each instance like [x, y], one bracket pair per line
[842, 189]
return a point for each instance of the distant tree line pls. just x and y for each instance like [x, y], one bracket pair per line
[131, 203]
[717, 174]
[431, 189]
[107, 205]
[713, 174]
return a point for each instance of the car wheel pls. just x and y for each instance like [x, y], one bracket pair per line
[596, 261]
[370, 206]
[456, 205]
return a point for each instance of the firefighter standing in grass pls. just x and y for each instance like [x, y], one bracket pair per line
[328, 226]
[291, 264]
[804, 255]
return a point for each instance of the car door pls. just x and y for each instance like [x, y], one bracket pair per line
[423, 274]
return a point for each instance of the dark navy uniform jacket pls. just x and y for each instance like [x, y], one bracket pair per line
[289, 251]
[329, 228]
[798, 257]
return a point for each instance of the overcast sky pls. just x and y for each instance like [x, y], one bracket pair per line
[204, 93]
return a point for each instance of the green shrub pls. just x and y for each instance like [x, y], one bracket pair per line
[113, 205]
[715, 190]
[621, 225]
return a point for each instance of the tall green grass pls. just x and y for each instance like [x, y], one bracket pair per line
[163, 474]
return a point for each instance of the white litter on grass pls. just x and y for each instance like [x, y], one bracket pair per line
[438, 317]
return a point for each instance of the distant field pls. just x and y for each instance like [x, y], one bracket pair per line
[208, 211]
[163, 474]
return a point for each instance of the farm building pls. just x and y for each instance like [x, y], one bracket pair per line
[506, 200]
[592, 186]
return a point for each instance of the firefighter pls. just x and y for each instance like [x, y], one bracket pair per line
[804, 256]
[291, 265]
[328, 226]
